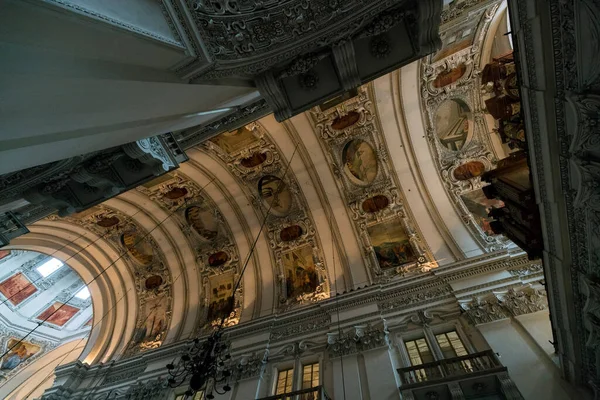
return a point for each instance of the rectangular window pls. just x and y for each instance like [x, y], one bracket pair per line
[49, 267]
[451, 345]
[310, 376]
[285, 379]
[310, 379]
[83, 294]
[418, 351]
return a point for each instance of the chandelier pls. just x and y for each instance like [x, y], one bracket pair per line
[204, 365]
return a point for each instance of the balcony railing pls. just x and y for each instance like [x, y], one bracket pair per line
[315, 393]
[450, 368]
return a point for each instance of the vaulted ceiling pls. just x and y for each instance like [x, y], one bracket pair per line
[358, 191]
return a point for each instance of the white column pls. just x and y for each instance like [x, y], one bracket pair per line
[380, 375]
[346, 379]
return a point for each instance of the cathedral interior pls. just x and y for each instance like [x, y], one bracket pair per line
[299, 199]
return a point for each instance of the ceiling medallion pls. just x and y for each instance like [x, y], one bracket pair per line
[217, 259]
[345, 121]
[107, 222]
[153, 282]
[375, 203]
[176, 193]
[253, 160]
[308, 80]
[380, 46]
[290, 233]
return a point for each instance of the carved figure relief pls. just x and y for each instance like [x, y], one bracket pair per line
[17, 288]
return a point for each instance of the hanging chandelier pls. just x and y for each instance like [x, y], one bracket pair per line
[204, 365]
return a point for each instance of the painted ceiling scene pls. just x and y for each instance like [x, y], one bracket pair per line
[380, 184]
[38, 290]
[273, 216]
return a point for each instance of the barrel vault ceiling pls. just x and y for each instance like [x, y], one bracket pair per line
[351, 193]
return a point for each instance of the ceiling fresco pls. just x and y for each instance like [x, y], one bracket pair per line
[254, 159]
[210, 236]
[458, 134]
[45, 302]
[148, 266]
[358, 156]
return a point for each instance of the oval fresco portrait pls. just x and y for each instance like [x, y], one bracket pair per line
[153, 282]
[276, 194]
[203, 222]
[290, 233]
[137, 247]
[360, 162]
[345, 121]
[107, 222]
[254, 160]
[448, 77]
[471, 169]
[217, 259]
[453, 124]
[375, 203]
[176, 193]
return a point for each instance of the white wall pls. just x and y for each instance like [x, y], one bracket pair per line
[529, 366]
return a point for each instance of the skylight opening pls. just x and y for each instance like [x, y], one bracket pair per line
[49, 267]
[83, 294]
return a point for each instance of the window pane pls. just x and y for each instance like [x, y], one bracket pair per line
[451, 345]
[424, 351]
[418, 351]
[457, 344]
[310, 376]
[445, 346]
[83, 294]
[49, 267]
[284, 381]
